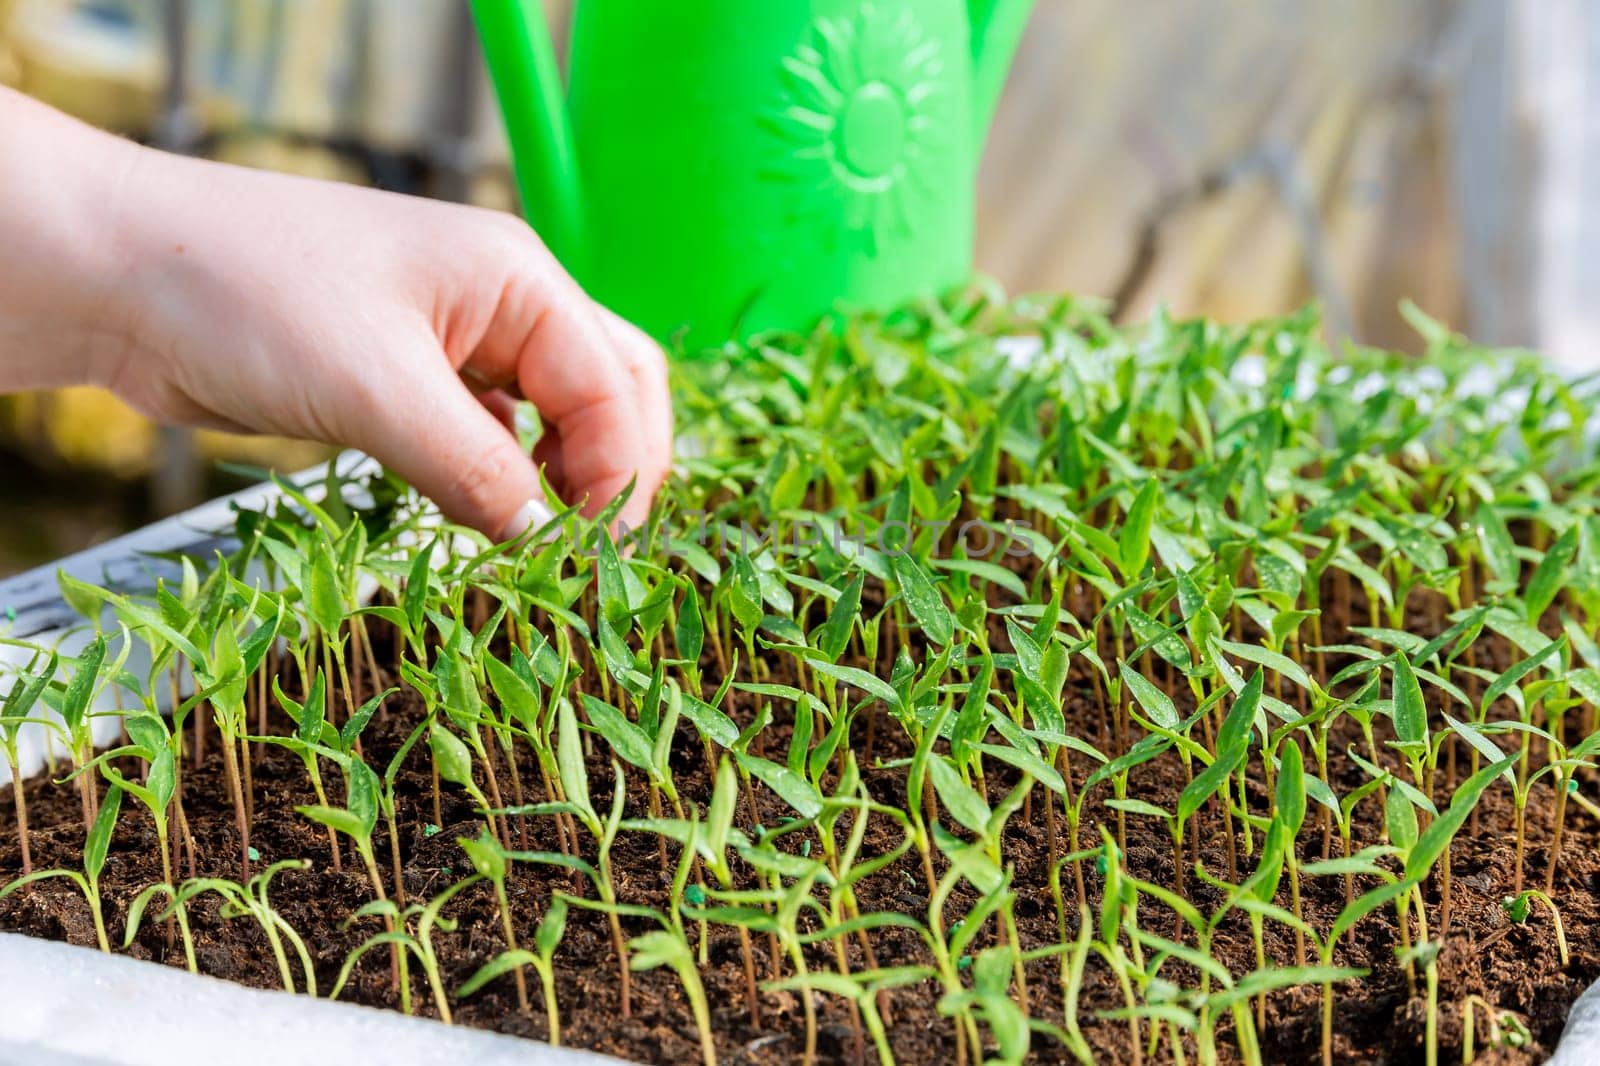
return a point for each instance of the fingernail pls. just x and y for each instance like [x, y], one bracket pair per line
[530, 515]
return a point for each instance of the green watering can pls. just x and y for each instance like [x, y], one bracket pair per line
[719, 167]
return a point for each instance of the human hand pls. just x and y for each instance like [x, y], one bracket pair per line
[234, 299]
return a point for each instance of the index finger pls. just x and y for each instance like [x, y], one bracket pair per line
[601, 389]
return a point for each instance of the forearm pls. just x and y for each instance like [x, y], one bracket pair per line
[64, 261]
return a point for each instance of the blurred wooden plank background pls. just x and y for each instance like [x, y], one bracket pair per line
[1233, 157]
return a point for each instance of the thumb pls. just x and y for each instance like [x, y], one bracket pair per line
[432, 431]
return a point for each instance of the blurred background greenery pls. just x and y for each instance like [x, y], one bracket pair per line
[1231, 157]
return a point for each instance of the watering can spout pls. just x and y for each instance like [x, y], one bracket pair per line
[996, 27]
[522, 65]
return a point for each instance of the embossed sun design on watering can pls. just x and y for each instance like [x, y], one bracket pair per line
[720, 167]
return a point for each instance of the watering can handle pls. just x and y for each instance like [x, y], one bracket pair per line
[522, 66]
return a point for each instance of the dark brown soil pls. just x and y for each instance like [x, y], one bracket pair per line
[1514, 967]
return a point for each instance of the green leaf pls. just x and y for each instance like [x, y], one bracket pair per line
[1235, 728]
[82, 597]
[485, 855]
[1263, 884]
[789, 786]
[1143, 808]
[162, 781]
[986, 460]
[357, 722]
[744, 593]
[1007, 1022]
[518, 701]
[415, 599]
[569, 759]
[992, 969]
[1133, 544]
[1586, 569]
[458, 689]
[648, 713]
[1410, 712]
[1142, 752]
[1485, 747]
[323, 601]
[495, 968]
[1415, 795]
[335, 818]
[452, 756]
[1364, 905]
[1355, 864]
[75, 703]
[1210, 781]
[313, 711]
[659, 948]
[138, 617]
[227, 665]
[1526, 637]
[897, 518]
[1422, 548]
[545, 665]
[1028, 763]
[619, 657]
[1400, 818]
[1549, 575]
[923, 599]
[959, 798]
[1494, 540]
[1030, 657]
[689, 630]
[625, 738]
[1436, 838]
[1268, 658]
[1157, 706]
[99, 838]
[1173, 554]
[137, 908]
[44, 875]
[175, 612]
[991, 573]
[363, 790]
[1162, 639]
[551, 927]
[834, 634]
[800, 738]
[619, 596]
[710, 722]
[1263, 981]
[1289, 802]
[26, 690]
[972, 722]
[789, 489]
[719, 815]
[1503, 684]
[871, 684]
[253, 650]
[1044, 711]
